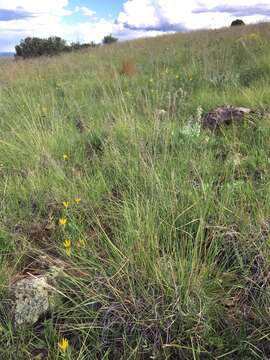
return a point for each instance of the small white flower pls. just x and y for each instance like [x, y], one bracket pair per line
[237, 159]
[199, 113]
[192, 129]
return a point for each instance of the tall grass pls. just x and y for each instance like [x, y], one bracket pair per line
[170, 241]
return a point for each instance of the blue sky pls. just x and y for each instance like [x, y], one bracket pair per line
[103, 8]
[91, 20]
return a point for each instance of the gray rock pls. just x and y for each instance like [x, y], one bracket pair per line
[224, 115]
[33, 297]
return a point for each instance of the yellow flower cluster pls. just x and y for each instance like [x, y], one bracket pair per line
[67, 204]
[68, 245]
[64, 221]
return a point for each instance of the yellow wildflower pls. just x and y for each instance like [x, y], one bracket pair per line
[253, 36]
[68, 251]
[63, 344]
[78, 200]
[67, 245]
[65, 157]
[66, 204]
[62, 221]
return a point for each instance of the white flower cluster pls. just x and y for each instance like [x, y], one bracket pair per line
[192, 129]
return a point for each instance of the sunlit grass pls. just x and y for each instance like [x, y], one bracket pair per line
[161, 229]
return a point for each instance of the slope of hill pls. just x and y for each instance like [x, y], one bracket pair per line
[159, 230]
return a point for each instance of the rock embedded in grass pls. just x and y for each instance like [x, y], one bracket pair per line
[33, 297]
[224, 115]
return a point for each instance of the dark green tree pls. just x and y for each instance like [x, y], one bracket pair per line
[33, 47]
[237, 22]
[109, 39]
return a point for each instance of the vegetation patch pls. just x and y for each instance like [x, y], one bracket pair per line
[144, 183]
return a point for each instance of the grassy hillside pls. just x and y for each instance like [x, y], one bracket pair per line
[168, 224]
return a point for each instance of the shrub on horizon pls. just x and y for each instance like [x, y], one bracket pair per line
[237, 22]
[109, 39]
[32, 47]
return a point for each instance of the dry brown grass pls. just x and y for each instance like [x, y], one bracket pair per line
[128, 68]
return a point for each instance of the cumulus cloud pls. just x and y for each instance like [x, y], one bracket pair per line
[138, 18]
[151, 15]
[85, 11]
[89, 31]
[173, 15]
[21, 18]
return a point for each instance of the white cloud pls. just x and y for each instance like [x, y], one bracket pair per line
[45, 18]
[36, 6]
[138, 18]
[89, 31]
[42, 18]
[85, 11]
[165, 15]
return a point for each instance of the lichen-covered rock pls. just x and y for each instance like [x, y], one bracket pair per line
[33, 297]
[224, 115]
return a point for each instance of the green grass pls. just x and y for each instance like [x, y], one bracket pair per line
[175, 220]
